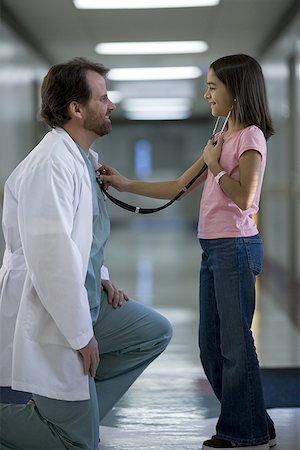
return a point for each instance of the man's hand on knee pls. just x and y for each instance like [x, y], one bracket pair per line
[115, 296]
[90, 357]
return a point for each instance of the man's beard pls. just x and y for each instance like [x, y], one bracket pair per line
[92, 123]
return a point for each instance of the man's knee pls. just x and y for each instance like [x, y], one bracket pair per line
[163, 331]
[167, 330]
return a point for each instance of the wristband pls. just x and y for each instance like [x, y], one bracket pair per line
[219, 176]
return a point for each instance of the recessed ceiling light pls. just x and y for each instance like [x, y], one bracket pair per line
[160, 103]
[158, 109]
[156, 115]
[151, 48]
[142, 4]
[115, 96]
[154, 73]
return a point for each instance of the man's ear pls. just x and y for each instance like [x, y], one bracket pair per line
[75, 110]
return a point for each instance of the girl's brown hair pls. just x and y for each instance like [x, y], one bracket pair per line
[243, 77]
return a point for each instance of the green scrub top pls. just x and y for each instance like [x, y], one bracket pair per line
[101, 229]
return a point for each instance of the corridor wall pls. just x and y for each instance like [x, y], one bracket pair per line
[20, 72]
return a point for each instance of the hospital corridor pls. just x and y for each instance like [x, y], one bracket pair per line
[159, 124]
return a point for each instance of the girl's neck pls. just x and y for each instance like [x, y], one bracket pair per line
[233, 127]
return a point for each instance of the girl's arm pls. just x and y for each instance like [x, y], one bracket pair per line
[158, 189]
[241, 192]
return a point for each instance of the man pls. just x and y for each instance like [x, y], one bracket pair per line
[56, 322]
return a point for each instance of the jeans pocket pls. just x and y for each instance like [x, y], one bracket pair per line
[254, 251]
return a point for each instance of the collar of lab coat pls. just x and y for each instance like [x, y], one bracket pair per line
[73, 147]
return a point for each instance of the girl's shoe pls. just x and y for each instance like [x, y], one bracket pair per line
[221, 444]
[272, 436]
[272, 441]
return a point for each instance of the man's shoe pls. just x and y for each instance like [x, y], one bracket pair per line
[221, 444]
[272, 436]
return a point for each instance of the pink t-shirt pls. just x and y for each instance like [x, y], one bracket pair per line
[219, 216]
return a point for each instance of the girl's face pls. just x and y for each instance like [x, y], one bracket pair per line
[217, 95]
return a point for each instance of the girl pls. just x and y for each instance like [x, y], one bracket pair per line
[232, 250]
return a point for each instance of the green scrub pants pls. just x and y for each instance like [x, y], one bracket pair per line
[130, 338]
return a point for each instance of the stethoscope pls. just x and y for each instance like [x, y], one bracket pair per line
[138, 210]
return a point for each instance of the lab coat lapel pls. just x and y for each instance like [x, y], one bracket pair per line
[71, 145]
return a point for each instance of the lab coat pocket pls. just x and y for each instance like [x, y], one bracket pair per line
[39, 326]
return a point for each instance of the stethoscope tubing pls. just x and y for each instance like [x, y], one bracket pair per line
[138, 210]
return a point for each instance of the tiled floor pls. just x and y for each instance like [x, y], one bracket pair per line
[190, 438]
[171, 406]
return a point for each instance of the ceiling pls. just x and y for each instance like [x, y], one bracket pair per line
[60, 31]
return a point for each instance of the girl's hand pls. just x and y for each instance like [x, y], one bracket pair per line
[212, 151]
[111, 177]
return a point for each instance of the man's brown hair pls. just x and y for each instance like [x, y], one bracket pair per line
[63, 84]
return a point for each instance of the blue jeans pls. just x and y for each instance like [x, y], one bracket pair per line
[227, 300]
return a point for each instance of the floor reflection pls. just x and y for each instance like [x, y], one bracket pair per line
[172, 405]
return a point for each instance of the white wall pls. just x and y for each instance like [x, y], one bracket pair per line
[19, 71]
[280, 217]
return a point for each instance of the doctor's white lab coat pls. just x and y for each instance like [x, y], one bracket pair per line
[44, 308]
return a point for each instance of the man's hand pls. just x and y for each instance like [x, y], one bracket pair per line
[90, 357]
[115, 296]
